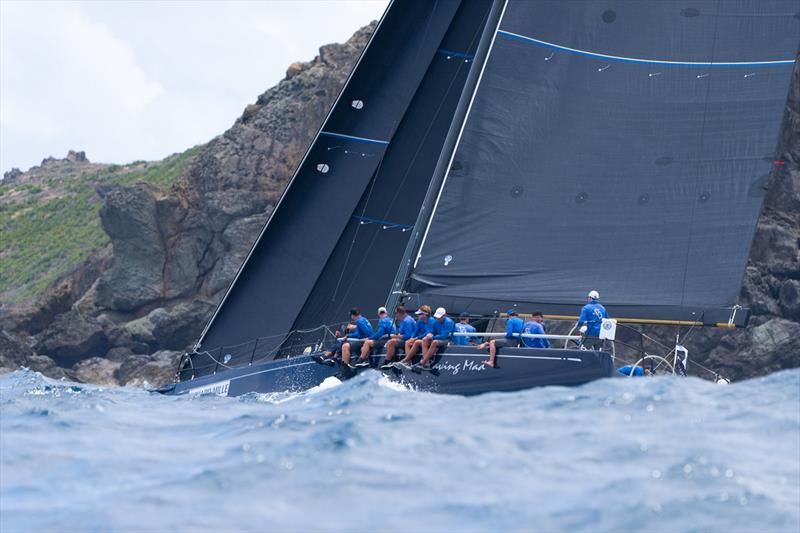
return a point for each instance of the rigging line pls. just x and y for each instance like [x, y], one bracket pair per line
[416, 153]
[355, 234]
[475, 36]
[697, 176]
[383, 156]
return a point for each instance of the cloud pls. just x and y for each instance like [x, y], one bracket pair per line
[140, 80]
[60, 71]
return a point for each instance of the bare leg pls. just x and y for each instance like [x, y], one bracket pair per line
[365, 349]
[429, 352]
[492, 354]
[346, 353]
[410, 353]
[391, 347]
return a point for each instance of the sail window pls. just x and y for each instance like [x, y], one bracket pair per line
[609, 16]
[357, 104]
[323, 168]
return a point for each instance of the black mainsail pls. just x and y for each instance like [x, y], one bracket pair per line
[617, 145]
[494, 153]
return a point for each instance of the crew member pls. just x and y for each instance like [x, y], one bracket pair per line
[514, 327]
[358, 329]
[591, 319]
[438, 339]
[414, 344]
[463, 326]
[405, 330]
[534, 326]
[634, 371]
[377, 339]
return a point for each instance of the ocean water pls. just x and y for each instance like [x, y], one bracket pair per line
[660, 454]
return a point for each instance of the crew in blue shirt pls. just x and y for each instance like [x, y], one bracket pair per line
[377, 339]
[463, 326]
[591, 318]
[438, 339]
[534, 326]
[514, 326]
[414, 344]
[632, 371]
[406, 326]
[358, 329]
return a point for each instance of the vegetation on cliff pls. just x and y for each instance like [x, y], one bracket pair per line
[49, 216]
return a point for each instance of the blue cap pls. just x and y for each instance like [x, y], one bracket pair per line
[511, 312]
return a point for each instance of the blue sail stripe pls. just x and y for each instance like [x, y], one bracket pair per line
[455, 54]
[518, 37]
[383, 222]
[354, 138]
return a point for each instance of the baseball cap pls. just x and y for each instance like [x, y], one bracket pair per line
[594, 295]
[382, 310]
[355, 311]
[511, 312]
[440, 312]
[423, 310]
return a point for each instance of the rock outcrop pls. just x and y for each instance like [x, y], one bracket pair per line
[173, 254]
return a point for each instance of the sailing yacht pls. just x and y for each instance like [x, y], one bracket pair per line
[494, 154]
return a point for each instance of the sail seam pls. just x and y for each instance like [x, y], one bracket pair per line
[525, 38]
[460, 133]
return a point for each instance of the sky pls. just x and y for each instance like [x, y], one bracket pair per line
[130, 80]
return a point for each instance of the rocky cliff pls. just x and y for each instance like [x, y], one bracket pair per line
[124, 314]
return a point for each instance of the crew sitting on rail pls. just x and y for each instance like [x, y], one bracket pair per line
[463, 326]
[436, 340]
[591, 319]
[636, 371]
[405, 330]
[534, 326]
[514, 327]
[359, 329]
[377, 339]
[414, 344]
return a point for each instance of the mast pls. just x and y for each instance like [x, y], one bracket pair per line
[447, 154]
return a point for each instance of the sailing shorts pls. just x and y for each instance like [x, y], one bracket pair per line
[506, 342]
[442, 345]
[377, 345]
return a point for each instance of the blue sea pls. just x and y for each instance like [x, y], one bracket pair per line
[649, 454]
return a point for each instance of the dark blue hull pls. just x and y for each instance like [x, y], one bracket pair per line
[457, 371]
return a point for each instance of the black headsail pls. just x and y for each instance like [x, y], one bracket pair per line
[621, 146]
[337, 235]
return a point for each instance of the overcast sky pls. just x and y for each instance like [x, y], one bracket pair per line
[143, 79]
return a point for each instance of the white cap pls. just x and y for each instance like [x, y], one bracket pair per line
[440, 312]
[382, 310]
[594, 295]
